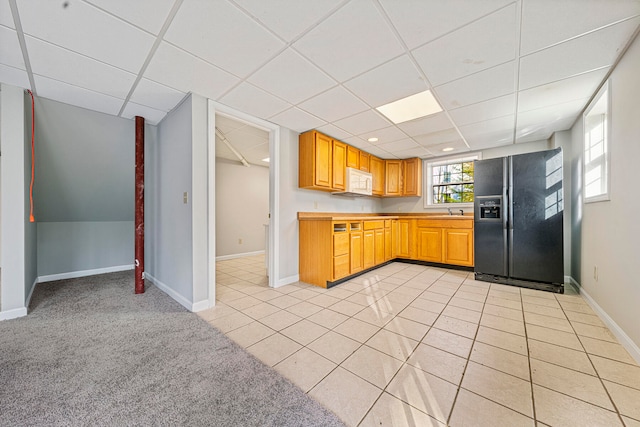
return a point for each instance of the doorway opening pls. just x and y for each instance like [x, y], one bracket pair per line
[243, 201]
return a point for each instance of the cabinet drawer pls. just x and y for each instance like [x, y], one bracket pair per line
[340, 244]
[340, 266]
[372, 225]
[445, 223]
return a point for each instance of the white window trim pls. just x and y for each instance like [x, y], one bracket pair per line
[606, 195]
[427, 166]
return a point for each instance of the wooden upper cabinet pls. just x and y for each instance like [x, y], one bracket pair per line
[353, 157]
[376, 167]
[339, 164]
[364, 161]
[315, 161]
[393, 178]
[412, 177]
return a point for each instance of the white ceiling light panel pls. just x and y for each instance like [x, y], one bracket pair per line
[412, 107]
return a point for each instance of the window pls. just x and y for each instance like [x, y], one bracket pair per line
[449, 182]
[596, 148]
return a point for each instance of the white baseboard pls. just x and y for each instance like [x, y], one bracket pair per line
[287, 280]
[242, 255]
[84, 273]
[198, 306]
[568, 280]
[622, 337]
[14, 313]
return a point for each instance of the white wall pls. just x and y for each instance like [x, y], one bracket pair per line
[18, 235]
[610, 230]
[242, 207]
[176, 258]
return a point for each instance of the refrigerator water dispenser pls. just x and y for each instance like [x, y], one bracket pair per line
[489, 208]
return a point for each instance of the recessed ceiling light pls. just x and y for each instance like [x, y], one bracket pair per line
[266, 159]
[374, 139]
[448, 149]
[409, 108]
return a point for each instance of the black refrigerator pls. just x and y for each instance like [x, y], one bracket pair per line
[518, 207]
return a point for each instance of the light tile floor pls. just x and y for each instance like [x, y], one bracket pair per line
[408, 345]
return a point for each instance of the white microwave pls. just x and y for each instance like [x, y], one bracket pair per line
[358, 183]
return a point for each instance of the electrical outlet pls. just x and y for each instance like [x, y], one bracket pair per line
[185, 197]
[595, 273]
[315, 205]
[239, 241]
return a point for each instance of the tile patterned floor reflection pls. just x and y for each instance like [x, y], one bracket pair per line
[408, 345]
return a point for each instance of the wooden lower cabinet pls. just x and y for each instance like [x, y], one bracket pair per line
[458, 247]
[429, 244]
[355, 253]
[368, 249]
[333, 250]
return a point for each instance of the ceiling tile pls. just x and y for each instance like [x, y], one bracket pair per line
[390, 134]
[590, 52]
[359, 143]
[254, 155]
[73, 95]
[334, 104]
[354, 39]
[426, 125]
[543, 132]
[10, 51]
[288, 18]
[14, 76]
[547, 117]
[151, 115]
[485, 110]
[561, 91]
[84, 29]
[492, 83]
[252, 100]
[180, 70]
[364, 122]
[547, 22]
[221, 34]
[495, 131]
[155, 95]
[78, 70]
[458, 147]
[483, 44]
[421, 21]
[379, 152]
[138, 12]
[435, 138]
[334, 132]
[227, 124]
[291, 77]
[6, 18]
[402, 145]
[297, 120]
[413, 152]
[389, 82]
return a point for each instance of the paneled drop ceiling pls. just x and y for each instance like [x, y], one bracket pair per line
[503, 71]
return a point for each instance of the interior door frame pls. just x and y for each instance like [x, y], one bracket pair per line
[274, 190]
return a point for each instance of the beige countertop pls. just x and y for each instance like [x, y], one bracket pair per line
[345, 216]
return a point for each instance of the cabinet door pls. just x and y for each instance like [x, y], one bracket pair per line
[388, 251]
[394, 238]
[364, 161]
[340, 266]
[368, 249]
[338, 165]
[376, 166]
[393, 178]
[429, 245]
[379, 246]
[353, 157]
[412, 176]
[404, 238]
[355, 251]
[323, 160]
[458, 247]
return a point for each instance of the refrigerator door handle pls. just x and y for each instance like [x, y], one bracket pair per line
[510, 214]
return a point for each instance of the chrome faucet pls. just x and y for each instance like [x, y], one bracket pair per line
[461, 212]
[450, 213]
